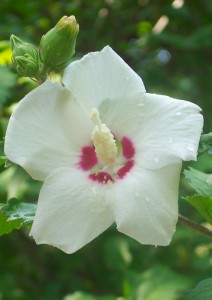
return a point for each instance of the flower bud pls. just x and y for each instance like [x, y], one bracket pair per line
[57, 46]
[25, 57]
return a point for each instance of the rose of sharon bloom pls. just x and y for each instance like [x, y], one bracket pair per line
[107, 152]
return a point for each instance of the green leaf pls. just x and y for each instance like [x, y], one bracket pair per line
[199, 181]
[14, 214]
[8, 226]
[203, 204]
[158, 283]
[3, 160]
[206, 143]
[1, 148]
[85, 296]
[203, 291]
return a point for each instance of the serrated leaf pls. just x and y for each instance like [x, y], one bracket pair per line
[8, 226]
[199, 181]
[206, 143]
[16, 210]
[14, 214]
[203, 291]
[203, 204]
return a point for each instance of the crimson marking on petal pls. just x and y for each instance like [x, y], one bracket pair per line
[88, 158]
[101, 177]
[128, 149]
[125, 169]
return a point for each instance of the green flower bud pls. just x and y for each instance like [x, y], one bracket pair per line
[57, 46]
[25, 57]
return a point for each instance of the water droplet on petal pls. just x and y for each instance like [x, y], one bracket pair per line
[137, 193]
[209, 180]
[93, 190]
[170, 141]
[140, 105]
[190, 148]
[127, 78]
[156, 158]
[147, 199]
[178, 113]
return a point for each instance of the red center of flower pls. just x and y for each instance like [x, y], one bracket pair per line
[88, 161]
[88, 158]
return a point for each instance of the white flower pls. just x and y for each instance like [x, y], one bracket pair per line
[103, 103]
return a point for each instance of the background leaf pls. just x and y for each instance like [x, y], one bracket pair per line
[206, 143]
[203, 204]
[203, 291]
[199, 181]
[158, 283]
[7, 81]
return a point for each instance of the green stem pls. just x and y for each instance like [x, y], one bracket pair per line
[195, 226]
[43, 74]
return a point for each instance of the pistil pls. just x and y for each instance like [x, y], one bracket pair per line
[103, 140]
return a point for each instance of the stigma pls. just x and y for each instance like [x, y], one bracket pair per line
[103, 140]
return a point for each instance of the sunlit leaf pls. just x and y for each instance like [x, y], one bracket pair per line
[3, 160]
[8, 226]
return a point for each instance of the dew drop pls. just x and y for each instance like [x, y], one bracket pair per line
[156, 158]
[127, 78]
[190, 148]
[209, 180]
[170, 141]
[137, 193]
[147, 199]
[178, 113]
[94, 193]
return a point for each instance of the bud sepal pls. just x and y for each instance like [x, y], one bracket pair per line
[25, 57]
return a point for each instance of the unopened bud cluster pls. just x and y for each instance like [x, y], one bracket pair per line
[25, 57]
[56, 49]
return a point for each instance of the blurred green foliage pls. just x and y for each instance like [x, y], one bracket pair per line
[174, 60]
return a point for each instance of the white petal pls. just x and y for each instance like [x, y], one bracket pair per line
[123, 116]
[99, 76]
[70, 211]
[47, 130]
[170, 131]
[145, 204]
